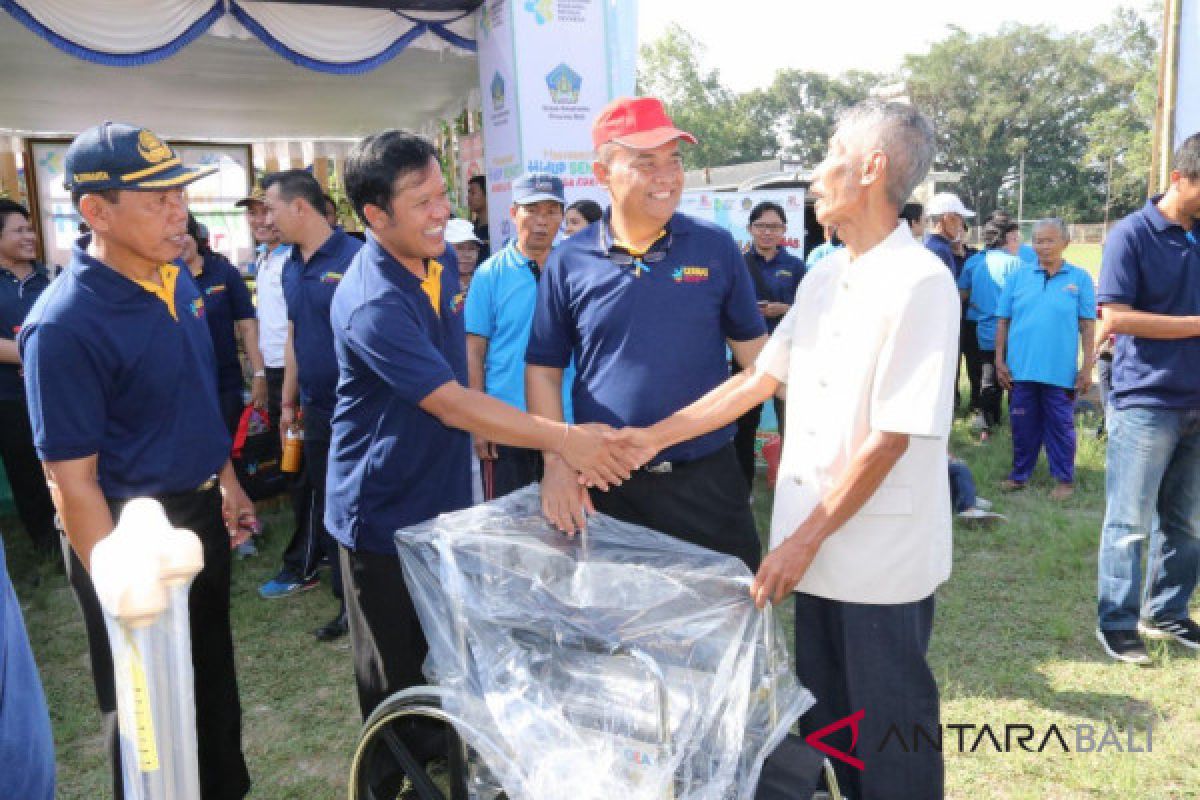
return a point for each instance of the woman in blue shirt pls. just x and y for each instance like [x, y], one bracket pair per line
[776, 274]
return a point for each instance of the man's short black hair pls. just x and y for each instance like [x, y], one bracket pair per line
[1187, 158]
[10, 207]
[763, 208]
[480, 181]
[995, 233]
[590, 210]
[295, 183]
[378, 161]
[111, 195]
[912, 213]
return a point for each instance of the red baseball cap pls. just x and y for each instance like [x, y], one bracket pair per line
[638, 122]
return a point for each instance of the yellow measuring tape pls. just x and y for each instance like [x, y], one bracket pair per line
[147, 748]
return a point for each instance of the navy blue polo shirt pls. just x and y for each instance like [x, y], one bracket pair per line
[226, 302]
[941, 247]
[648, 338]
[777, 279]
[391, 464]
[110, 372]
[1153, 265]
[16, 298]
[308, 290]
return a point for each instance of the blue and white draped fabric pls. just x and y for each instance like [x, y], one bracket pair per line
[338, 40]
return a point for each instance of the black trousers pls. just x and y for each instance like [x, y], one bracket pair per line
[303, 551]
[968, 345]
[991, 393]
[317, 433]
[855, 656]
[386, 638]
[232, 404]
[701, 501]
[25, 476]
[513, 468]
[223, 771]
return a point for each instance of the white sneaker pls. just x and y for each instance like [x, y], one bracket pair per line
[979, 518]
[984, 503]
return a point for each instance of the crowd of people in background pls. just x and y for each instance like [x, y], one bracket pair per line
[426, 373]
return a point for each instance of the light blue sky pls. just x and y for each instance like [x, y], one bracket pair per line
[748, 40]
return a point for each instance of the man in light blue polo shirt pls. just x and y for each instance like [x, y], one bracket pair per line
[1046, 313]
[1150, 288]
[499, 314]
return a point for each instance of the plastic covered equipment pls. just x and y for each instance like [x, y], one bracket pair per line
[143, 572]
[624, 664]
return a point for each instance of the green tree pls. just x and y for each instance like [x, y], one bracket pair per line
[731, 128]
[805, 105]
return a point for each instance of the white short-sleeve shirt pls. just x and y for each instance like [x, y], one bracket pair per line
[870, 345]
[272, 309]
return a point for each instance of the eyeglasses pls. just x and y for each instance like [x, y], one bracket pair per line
[763, 227]
[641, 264]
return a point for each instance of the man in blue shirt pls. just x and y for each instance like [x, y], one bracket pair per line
[499, 312]
[22, 280]
[981, 283]
[403, 420]
[121, 381]
[1044, 316]
[1150, 289]
[644, 303]
[320, 255]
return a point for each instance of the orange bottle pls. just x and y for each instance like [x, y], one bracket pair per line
[293, 448]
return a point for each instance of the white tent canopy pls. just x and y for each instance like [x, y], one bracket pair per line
[223, 83]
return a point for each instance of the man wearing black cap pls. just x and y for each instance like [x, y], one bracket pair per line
[499, 312]
[121, 381]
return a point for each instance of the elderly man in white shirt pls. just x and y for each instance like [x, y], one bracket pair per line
[861, 530]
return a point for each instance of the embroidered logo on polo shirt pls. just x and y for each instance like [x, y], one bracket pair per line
[197, 307]
[331, 277]
[690, 274]
[1071, 288]
[220, 287]
[456, 304]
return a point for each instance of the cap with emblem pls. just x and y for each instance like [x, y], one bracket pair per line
[257, 195]
[638, 122]
[113, 155]
[534, 187]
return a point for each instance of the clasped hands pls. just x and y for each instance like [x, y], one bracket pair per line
[604, 457]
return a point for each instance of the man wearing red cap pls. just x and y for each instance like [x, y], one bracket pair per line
[645, 305]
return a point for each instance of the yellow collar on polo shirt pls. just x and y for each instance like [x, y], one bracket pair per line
[633, 251]
[168, 274]
[432, 285]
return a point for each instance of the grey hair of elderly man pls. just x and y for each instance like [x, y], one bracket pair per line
[1057, 223]
[902, 133]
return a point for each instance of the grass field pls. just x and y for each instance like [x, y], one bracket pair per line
[1013, 645]
[1086, 256]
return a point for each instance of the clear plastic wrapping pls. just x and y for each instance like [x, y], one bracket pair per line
[624, 664]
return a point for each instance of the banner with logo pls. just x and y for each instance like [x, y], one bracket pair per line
[547, 67]
[731, 210]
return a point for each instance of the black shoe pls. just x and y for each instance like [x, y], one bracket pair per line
[336, 628]
[1185, 631]
[1124, 646]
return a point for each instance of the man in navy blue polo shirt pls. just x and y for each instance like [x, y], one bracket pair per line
[319, 257]
[22, 281]
[1150, 289]
[644, 305]
[230, 315]
[402, 425]
[121, 381]
[499, 312]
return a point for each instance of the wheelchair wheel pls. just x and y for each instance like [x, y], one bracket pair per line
[385, 766]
